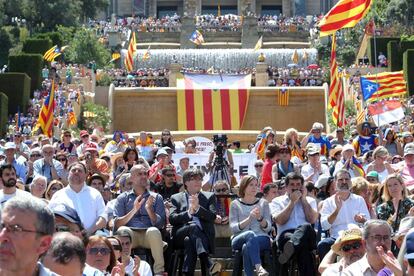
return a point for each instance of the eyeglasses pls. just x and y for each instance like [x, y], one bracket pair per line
[348, 247]
[379, 238]
[61, 159]
[85, 136]
[258, 166]
[221, 190]
[67, 135]
[35, 155]
[169, 175]
[103, 250]
[14, 228]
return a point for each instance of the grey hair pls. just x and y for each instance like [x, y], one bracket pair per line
[65, 247]
[342, 171]
[36, 178]
[373, 223]
[45, 222]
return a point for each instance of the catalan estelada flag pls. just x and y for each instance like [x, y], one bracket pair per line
[45, 121]
[71, 117]
[197, 38]
[132, 48]
[50, 53]
[212, 102]
[383, 85]
[345, 14]
[283, 96]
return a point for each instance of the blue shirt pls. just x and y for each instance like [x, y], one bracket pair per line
[323, 142]
[141, 220]
[40, 168]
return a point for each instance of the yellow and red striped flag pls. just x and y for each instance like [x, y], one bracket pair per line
[336, 92]
[132, 48]
[283, 96]
[45, 121]
[49, 53]
[345, 14]
[212, 102]
[147, 55]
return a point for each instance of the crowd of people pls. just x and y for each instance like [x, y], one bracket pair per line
[320, 197]
[281, 23]
[212, 23]
[142, 77]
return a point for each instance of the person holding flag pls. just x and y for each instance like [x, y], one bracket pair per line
[366, 140]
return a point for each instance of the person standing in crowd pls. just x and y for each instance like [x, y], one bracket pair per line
[291, 140]
[293, 214]
[314, 169]
[340, 210]
[167, 186]
[26, 229]
[117, 144]
[349, 247]
[21, 148]
[315, 137]
[94, 164]
[48, 166]
[376, 238]
[380, 164]
[142, 214]
[145, 148]
[391, 143]
[84, 135]
[87, 202]
[366, 140]
[340, 138]
[284, 165]
[272, 157]
[265, 138]
[66, 145]
[250, 223]
[66, 255]
[406, 167]
[9, 189]
[167, 140]
[192, 215]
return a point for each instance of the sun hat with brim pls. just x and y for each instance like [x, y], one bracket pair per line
[334, 151]
[405, 225]
[312, 149]
[409, 243]
[348, 147]
[373, 174]
[364, 124]
[354, 234]
[408, 149]
[115, 156]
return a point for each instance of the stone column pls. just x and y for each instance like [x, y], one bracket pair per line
[173, 74]
[187, 28]
[246, 7]
[250, 34]
[191, 7]
[152, 8]
[261, 74]
[287, 8]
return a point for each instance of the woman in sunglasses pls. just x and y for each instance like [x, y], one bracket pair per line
[100, 254]
[116, 244]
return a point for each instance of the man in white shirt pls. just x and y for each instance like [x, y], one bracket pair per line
[376, 237]
[8, 179]
[340, 210]
[87, 201]
[314, 169]
[293, 214]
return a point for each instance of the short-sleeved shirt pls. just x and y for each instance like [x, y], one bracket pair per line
[360, 268]
[323, 142]
[40, 168]
[297, 217]
[88, 203]
[141, 220]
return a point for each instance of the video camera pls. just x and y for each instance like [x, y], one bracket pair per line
[219, 140]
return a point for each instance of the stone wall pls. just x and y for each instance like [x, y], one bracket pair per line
[152, 109]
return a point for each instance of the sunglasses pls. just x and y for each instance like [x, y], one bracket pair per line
[117, 247]
[35, 155]
[258, 166]
[348, 247]
[61, 159]
[103, 250]
[221, 190]
[67, 135]
[169, 175]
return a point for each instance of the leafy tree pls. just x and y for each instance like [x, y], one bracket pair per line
[5, 45]
[67, 33]
[401, 11]
[90, 8]
[98, 116]
[85, 47]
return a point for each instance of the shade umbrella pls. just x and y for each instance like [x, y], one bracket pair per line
[292, 65]
[313, 66]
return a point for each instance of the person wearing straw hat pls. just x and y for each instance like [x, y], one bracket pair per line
[366, 140]
[349, 246]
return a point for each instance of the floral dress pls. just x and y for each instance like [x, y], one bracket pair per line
[386, 210]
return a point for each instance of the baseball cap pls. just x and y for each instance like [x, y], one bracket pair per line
[9, 145]
[161, 152]
[313, 150]
[372, 174]
[408, 149]
[409, 242]
[83, 133]
[90, 147]
[67, 213]
[123, 233]
[322, 181]
[348, 147]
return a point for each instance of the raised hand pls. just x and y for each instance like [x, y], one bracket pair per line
[338, 201]
[149, 204]
[295, 196]
[138, 203]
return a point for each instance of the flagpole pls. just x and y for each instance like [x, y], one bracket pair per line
[376, 65]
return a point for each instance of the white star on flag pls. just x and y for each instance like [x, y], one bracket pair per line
[366, 147]
[370, 87]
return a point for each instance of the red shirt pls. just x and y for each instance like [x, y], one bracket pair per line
[267, 173]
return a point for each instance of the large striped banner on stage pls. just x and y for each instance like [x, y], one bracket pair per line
[212, 102]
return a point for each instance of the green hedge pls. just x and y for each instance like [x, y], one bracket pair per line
[31, 64]
[4, 113]
[381, 47]
[408, 65]
[392, 54]
[17, 88]
[37, 46]
[55, 37]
